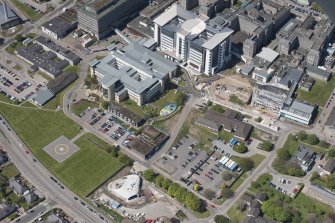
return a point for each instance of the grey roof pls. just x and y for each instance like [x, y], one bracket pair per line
[304, 154]
[174, 11]
[255, 212]
[42, 96]
[262, 73]
[61, 82]
[241, 129]
[299, 108]
[330, 165]
[317, 71]
[209, 124]
[30, 197]
[141, 60]
[6, 210]
[247, 197]
[6, 14]
[219, 37]
[261, 196]
[55, 219]
[247, 69]
[255, 204]
[62, 23]
[39, 59]
[67, 54]
[17, 186]
[293, 75]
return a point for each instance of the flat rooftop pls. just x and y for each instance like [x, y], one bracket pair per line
[141, 59]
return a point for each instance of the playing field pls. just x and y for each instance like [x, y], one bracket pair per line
[87, 168]
[38, 128]
[83, 171]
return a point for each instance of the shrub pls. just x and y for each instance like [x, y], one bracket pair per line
[149, 175]
[221, 219]
[259, 119]
[267, 146]
[227, 176]
[312, 139]
[246, 164]
[241, 148]
[227, 193]
[302, 135]
[209, 194]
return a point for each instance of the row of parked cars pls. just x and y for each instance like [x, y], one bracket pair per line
[22, 86]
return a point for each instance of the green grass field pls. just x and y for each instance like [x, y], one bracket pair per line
[13, 46]
[27, 11]
[257, 158]
[82, 105]
[10, 171]
[83, 171]
[319, 94]
[235, 215]
[167, 98]
[88, 168]
[38, 128]
[292, 145]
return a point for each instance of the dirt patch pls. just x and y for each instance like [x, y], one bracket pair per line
[227, 86]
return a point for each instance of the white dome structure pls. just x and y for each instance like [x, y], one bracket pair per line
[127, 188]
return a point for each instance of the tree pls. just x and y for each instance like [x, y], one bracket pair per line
[227, 193]
[125, 160]
[19, 38]
[221, 219]
[331, 153]
[283, 154]
[166, 183]
[240, 205]
[302, 135]
[105, 105]
[217, 108]
[330, 181]
[227, 176]
[173, 189]
[209, 194]
[241, 148]
[112, 151]
[267, 146]
[180, 98]
[180, 194]
[246, 164]
[196, 187]
[159, 180]
[312, 139]
[315, 175]
[192, 202]
[283, 215]
[259, 119]
[149, 175]
[295, 171]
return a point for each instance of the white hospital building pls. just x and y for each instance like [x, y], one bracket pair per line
[185, 36]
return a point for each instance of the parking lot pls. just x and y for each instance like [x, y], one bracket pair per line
[284, 185]
[180, 160]
[105, 123]
[189, 164]
[14, 86]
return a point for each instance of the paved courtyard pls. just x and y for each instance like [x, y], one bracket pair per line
[61, 149]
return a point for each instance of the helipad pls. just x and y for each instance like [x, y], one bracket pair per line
[61, 149]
